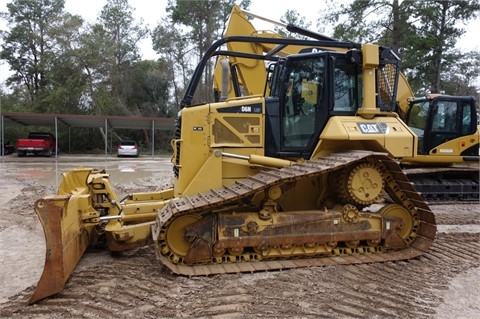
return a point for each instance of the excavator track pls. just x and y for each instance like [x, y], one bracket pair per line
[173, 220]
[446, 184]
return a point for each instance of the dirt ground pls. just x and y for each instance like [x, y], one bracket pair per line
[443, 283]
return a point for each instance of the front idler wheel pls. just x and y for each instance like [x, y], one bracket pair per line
[396, 210]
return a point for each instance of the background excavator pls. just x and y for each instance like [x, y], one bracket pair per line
[303, 173]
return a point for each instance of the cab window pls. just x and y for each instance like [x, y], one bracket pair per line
[466, 119]
[304, 88]
[445, 119]
[347, 90]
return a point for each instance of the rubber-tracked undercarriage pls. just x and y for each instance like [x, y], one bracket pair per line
[252, 225]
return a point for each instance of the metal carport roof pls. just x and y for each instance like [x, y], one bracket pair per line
[75, 120]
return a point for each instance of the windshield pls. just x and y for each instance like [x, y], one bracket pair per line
[418, 115]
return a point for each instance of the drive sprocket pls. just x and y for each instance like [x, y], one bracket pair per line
[362, 185]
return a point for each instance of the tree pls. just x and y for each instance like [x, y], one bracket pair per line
[185, 35]
[96, 55]
[379, 21]
[149, 88]
[31, 46]
[65, 76]
[174, 50]
[462, 77]
[294, 18]
[431, 48]
[63, 65]
[116, 18]
[423, 33]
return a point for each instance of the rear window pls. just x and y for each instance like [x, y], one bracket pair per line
[128, 143]
[38, 136]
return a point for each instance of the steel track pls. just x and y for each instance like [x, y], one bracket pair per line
[398, 187]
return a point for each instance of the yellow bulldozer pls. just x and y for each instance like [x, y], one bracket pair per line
[303, 173]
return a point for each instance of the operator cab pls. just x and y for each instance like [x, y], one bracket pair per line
[439, 119]
[301, 100]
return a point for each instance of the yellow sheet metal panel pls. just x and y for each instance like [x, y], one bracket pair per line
[430, 159]
[370, 57]
[238, 123]
[195, 129]
[388, 132]
[456, 146]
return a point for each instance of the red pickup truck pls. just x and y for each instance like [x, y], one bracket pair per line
[37, 143]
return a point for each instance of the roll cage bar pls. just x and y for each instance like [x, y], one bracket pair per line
[281, 42]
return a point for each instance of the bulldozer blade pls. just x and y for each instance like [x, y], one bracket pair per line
[66, 238]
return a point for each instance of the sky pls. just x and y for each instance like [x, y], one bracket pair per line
[152, 11]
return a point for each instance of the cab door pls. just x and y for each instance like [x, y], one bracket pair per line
[303, 106]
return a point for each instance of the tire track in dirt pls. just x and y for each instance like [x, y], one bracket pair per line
[457, 213]
[381, 300]
[134, 284]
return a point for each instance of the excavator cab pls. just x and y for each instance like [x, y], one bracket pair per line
[439, 119]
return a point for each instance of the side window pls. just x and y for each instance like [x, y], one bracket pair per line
[417, 120]
[347, 88]
[466, 119]
[445, 123]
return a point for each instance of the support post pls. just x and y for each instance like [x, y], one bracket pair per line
[106, 139]
[56, 138]
[153, 139]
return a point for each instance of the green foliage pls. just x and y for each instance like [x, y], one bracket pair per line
[117, 20]
[116, 23]
[184, 36]
[149, 90]
[432, 46]
[63, 65]
[423, 33]
[462, 77]
[31, 45]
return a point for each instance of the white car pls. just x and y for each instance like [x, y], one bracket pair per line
[128, 148]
